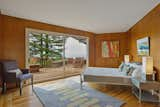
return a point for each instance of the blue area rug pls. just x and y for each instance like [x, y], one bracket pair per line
[69, 94]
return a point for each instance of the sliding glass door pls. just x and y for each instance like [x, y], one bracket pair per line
[75, 54]
[52, 55]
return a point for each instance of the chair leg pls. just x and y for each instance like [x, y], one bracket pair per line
[32, 83]
[4, 87]
[21, 86]
[17, 84]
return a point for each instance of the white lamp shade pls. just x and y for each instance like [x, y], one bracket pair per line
[126, 58]
[147, 63]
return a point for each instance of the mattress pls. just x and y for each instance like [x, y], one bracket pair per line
[105, 75]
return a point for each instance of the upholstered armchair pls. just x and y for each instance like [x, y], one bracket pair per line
[12, 74]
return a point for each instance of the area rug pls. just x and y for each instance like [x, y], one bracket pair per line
[69, 94]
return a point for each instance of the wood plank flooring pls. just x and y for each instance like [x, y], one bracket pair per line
[29, 99]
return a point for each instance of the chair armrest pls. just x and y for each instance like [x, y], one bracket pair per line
[25, 71]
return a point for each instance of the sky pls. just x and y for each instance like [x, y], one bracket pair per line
[74, 48]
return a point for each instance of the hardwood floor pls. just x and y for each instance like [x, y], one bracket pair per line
[29, 99]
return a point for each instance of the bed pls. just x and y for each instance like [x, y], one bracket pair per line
[112, 76]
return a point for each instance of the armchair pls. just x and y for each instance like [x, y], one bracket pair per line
[12, 74]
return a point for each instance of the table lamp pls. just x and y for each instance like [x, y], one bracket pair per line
[126, 58]
[147, 64]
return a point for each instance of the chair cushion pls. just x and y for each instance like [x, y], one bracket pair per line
[25, 76]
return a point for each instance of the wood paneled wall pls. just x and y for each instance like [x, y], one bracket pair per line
[1, 47]
[148, 26]
[14, 37]
[14, 41]
[110, 62]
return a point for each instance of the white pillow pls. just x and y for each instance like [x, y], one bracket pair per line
[121, 67]
[137, 73]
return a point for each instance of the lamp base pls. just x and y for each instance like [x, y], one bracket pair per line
[149, 77]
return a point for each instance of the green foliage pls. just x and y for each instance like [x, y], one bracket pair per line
[46, 47]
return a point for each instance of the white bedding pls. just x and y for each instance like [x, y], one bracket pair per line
[106, 76]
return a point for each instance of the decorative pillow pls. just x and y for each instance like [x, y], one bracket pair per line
[17, 71]
[137, 73]
[131, 69]
[126, 68]
[121, 66]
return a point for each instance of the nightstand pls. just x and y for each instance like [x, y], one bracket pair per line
[143, 90]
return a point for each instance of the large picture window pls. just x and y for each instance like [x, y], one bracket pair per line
[53, 55]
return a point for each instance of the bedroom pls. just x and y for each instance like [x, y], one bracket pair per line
[14, 18]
